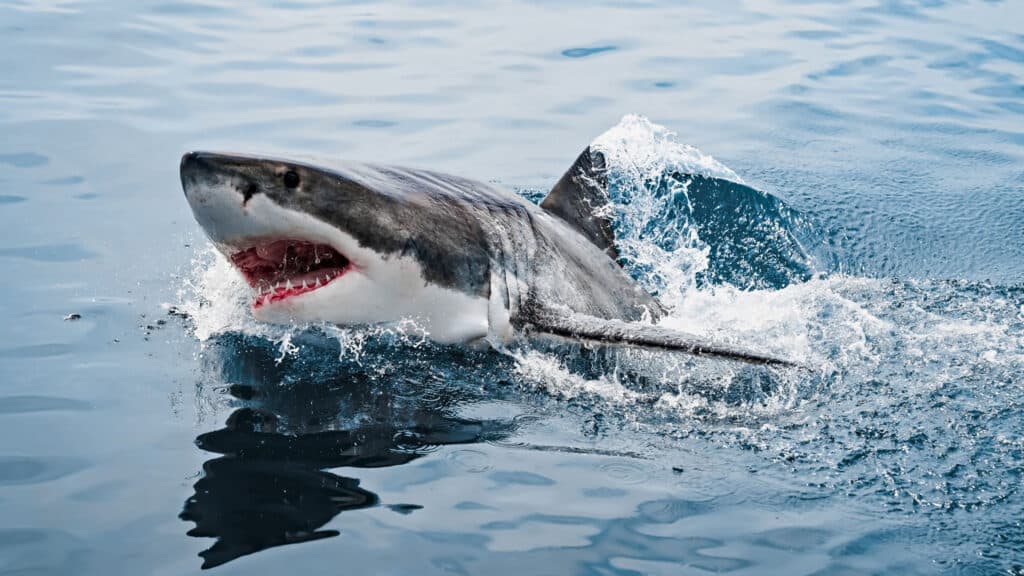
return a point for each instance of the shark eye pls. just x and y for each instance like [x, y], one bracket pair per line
[291, 179]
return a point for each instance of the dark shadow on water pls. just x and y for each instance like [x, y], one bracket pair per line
[253, 503]
[295, 421]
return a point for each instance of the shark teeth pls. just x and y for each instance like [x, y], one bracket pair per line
[269, 293]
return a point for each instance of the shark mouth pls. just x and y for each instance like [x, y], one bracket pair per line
[282, 269]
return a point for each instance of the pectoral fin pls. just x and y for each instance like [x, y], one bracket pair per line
[617, 332]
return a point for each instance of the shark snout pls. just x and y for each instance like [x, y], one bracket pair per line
[202, 172]
[218, 190]
[189, 160]
[193, 164]
[196, 171]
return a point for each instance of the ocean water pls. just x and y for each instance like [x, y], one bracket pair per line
[841, 183]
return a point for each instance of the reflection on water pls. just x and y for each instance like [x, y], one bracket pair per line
[271, 486]
[253, 502]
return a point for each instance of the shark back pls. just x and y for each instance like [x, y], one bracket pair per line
[527, 257]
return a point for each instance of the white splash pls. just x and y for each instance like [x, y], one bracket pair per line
[642, 148]
[216, 299]
[787, 322]
[548, 372]
[639, 155]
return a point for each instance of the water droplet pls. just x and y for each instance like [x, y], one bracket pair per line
[473, 461]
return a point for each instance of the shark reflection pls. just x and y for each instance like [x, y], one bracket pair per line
[271, 486]
[253, 502]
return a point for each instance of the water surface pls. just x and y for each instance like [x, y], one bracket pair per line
[889, 255]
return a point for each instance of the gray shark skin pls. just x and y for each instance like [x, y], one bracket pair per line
[468, 261]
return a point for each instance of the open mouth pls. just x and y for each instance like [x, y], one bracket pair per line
[284, 269]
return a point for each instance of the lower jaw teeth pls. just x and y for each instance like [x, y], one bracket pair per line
[265, 292]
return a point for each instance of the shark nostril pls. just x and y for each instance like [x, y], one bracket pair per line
[251, 189]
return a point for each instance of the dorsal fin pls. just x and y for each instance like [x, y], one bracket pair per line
[581, 199]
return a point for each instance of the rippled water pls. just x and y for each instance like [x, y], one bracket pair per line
[868, 224]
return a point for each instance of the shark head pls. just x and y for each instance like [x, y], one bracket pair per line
[347, 244]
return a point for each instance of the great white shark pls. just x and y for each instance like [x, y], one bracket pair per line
[355, 244]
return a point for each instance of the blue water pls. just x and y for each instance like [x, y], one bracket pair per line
[876, 236]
